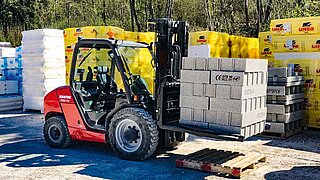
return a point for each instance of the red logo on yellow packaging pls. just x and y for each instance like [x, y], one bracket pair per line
[317, 45]
[266, 51]
[279, 27]
[69, 49]
[201, 39]
[307, 26]
[78, 32]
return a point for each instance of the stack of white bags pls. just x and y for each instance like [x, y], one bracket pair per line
[44, 67]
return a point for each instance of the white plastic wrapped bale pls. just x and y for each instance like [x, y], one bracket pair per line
[43, 58]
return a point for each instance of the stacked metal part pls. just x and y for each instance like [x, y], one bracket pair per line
[285, 101]
[225, 95]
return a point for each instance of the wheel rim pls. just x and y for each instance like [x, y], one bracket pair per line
[128, 135]
[55, 134]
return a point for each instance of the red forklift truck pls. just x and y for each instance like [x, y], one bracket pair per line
[132, 119]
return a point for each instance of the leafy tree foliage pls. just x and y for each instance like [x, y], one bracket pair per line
[241, 17]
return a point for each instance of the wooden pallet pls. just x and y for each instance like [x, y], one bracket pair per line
[222, 162]
[284, 135]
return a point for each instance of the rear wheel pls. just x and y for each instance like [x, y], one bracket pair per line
[56, 133]
[133, 134]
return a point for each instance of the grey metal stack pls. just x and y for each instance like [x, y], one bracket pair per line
[225, 95]
[285, 101]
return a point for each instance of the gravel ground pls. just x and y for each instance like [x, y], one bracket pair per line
[25, 155]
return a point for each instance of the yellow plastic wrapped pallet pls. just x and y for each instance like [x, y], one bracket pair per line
[215, 51]
[308, 25]
[253, 48]
[295, 26]
[81, 32]
[224, 45]
[205, 37]
[244, 47]
[235, 46]
[131, 36]
[100, 31]
[287, 44]
[302, 43]
[145, 37]
[312, 104]
[115, 33]
[313, 119]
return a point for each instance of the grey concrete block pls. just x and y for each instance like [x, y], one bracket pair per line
[201, 63]
[198, 124]
[195, 76]
[280, 72]
[259, 104]
[225, 104]
[286, 100]
[250, 79]
[199, 115]
[276, 90]
[286, 118]
[255, 78]
[229, 78]
[186, 114]
[286, 79]
[198, 89]
[188, 63]
[210, 90]
[244, 92]
[264, 77]
[223, 118]
[211, 116]
[213, 64]
[237, 106]
[283, 109]
[250, 65]
[245, 132]
[194, 102]
[186, 89]
[278, 127]
[242, 120]
[288, 84]
[223, 92]
[226, 64]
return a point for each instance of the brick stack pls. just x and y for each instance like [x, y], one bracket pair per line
[285, 101]
[224, 95]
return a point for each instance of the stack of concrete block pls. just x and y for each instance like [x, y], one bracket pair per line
[224, 95]
[285, 100]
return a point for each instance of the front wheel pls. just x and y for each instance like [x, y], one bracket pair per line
[133, 134]
[56, 132]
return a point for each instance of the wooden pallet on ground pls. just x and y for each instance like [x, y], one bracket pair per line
[222, 162]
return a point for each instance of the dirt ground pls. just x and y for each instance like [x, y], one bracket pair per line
[25, 155]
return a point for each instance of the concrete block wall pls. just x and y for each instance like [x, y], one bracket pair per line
[224, 94]
[284, 99]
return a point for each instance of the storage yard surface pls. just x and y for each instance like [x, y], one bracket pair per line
[25, 155]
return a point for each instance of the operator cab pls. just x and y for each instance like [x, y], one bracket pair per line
[102, 80]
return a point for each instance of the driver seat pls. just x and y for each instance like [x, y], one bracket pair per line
[107, 88]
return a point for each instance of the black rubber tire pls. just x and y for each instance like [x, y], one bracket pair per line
[149, 132]
[59, 122]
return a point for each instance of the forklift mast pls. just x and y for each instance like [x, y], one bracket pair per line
[171, 45]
